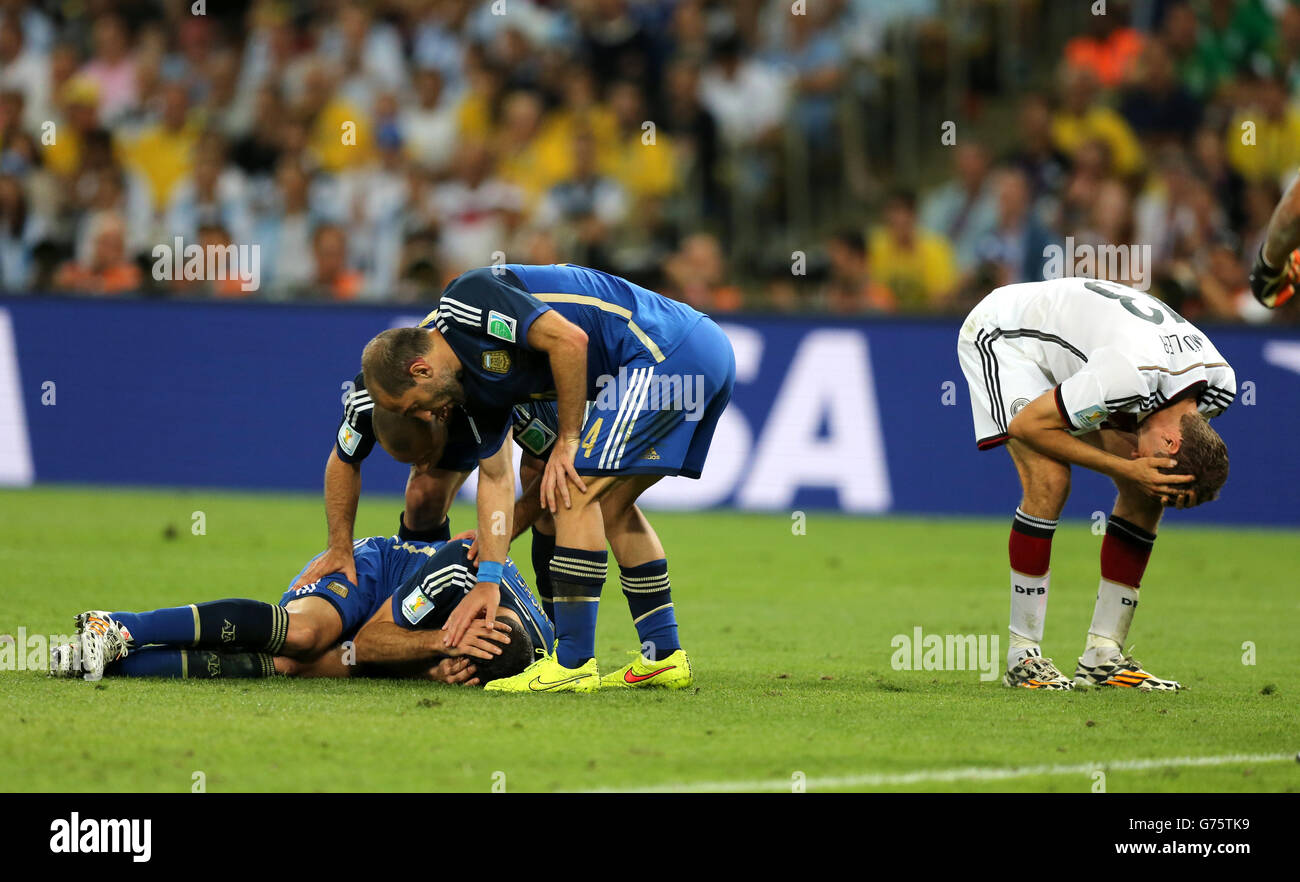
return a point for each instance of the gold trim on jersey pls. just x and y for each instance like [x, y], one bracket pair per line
[428, 319]
[604, 305]
[1190, 367]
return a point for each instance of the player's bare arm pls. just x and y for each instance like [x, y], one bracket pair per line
[496, 500]
[565, 344]
[342, 492]
[1041, 427]
[381, 641]
[1274, 274]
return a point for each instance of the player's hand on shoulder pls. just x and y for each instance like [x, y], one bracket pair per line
[471, 535]
[334, 560]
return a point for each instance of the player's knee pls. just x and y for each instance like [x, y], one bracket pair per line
[530, 468]
[305, 637]
[426, 504]
[286, 666]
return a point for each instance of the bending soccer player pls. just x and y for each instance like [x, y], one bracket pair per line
[308, 633]
[441, 456]
[659, 373]
[1095, 374]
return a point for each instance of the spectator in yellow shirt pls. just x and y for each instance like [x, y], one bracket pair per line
[642, 160]
[1263, 141]
[917, 265]
[80, 104]
[523, 158]
[164, 153]
[340, 134]
[581, 115]
[1083, 118]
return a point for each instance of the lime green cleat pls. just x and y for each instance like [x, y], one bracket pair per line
[548, 675]
[673, 672]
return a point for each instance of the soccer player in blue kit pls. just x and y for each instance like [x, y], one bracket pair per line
[392, 614]
[659, 373]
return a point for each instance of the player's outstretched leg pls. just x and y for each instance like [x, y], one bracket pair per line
[193, 664]
[217, 624]
[1125, 550]
[102, 642]
[107, 638]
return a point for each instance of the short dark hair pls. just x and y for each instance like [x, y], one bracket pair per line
[386, 360]
[1203, 455]
[515, 655]
[851, 238]
[902, 197]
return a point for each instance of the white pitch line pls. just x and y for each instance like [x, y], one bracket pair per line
[941, 776]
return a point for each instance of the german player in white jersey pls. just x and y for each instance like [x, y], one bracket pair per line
[1095, 374]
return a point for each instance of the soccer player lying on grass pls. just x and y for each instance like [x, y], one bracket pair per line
[442, 454]
[1096, 374]
[308, 633]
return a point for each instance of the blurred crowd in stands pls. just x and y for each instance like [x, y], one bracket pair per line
[374, 150]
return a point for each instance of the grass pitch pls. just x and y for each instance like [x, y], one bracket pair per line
[790, 634]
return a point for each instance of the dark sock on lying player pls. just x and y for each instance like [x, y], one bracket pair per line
[543, 549]
[650, 600]
[440, 533]
[193, 664]
[217, 624]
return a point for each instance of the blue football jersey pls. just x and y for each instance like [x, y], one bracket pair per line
[485, 315]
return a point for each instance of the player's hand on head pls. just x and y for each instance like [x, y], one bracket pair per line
[483, 639]
[482, 599]
[454, 672]
[1151, 474]
[558, 473]
[334, 560]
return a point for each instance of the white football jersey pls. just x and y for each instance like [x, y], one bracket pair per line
[1109, 349]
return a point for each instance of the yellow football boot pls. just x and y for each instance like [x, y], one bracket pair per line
[548, 675]
[673, 672]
